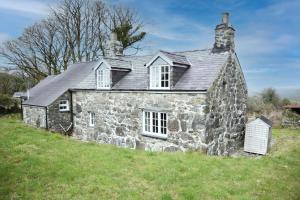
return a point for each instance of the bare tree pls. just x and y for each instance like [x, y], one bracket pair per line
[77, 30]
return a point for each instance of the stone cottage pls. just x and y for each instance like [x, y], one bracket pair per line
[169, 101]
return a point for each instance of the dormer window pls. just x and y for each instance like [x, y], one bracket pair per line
[160, 77]
[163, 66]
[103, 78]
[110, 71]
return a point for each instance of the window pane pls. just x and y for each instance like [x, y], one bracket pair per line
[92, 119]
[157, 77]
[103, 78]
[155, 122]
[147, 121]
[163, 123]
[162, 83]
[167, 69]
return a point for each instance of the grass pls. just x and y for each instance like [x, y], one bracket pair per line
[35, 164]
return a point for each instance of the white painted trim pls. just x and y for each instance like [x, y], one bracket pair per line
[100, 62]
[64, 104]
[151, 133]
[103, 68]
[91, 120]
[155, 135]
[157, 55]
[159, 75]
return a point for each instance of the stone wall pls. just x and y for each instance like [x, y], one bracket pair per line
[60, 121]
[118, 119]
[226, 118]
[34, 116]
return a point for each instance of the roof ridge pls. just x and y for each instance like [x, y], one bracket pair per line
[82, 62]
[194, 50]
[172, 53]
[119, 59]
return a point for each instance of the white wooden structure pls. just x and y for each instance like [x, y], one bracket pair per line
[258, 136]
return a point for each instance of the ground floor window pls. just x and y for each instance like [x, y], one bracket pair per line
[92, 119]
[64, 105]
[155, 124]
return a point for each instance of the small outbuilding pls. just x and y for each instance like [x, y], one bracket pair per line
[294, 108]
[258, 136]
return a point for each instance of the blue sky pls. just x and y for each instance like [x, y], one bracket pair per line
[267, 32]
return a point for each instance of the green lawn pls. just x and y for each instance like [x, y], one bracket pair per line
[35, 164]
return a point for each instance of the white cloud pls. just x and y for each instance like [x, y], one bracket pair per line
[259, 70]
[258, 43]
[281, 9]
[25, 6]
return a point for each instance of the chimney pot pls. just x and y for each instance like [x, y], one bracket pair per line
[225, 18]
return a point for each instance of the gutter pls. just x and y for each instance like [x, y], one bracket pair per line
[34, 105]
[71, 105]
[143, 90]
[46, 109]
[22, 114]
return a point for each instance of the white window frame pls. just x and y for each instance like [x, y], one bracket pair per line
[155, 77]
[148, 127]
[92, 119]
[63, 105]
[103, 78]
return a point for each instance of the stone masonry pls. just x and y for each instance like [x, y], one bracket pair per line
[34, 116]
[119, 119]
[226, 108]
[60, 121]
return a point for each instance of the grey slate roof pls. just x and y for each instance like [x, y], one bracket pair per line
[49, 89]
[204, 68]
[266, 120]
[199, 76]
[176, 58]
[119, 63]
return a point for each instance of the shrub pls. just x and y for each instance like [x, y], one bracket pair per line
[8, 104]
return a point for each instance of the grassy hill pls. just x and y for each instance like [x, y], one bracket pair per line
[35, 164]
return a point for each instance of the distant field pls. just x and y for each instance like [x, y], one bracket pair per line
[35, 164]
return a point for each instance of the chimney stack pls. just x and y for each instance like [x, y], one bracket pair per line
[224, 35]
[114, 47]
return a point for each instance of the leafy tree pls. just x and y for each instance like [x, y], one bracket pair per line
[285, 102]
[10, 83]
[123, 23]
[270, 96]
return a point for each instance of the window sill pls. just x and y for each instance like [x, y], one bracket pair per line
[64, 111]
[160, 88]
[155, 135]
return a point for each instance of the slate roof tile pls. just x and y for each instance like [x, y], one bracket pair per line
[204, 68]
